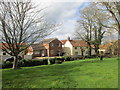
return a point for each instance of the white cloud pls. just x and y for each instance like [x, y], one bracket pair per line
[64, 13]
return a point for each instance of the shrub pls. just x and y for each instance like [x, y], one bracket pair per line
[7, 65]
[59, 60]
[92, 56]
[67, 58]
[34, 62]
[45, 61]
[52, 60]
[62, 59]
[26, 63]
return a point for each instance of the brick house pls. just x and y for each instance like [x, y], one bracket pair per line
[46, 48]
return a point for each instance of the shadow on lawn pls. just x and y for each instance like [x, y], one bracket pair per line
[64, 69]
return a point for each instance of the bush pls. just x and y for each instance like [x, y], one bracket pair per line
[34, 62]
[26, 63]
[59, 60]
[92, 56]
[66, 58]
[7, 65]
[52, 60]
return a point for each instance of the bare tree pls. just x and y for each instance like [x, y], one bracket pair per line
[22, 24]
[90, 27]
[113, 8]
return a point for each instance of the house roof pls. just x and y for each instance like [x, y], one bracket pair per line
[63, 41]
[105, 46]
[76, 43]
[47, 40]
[38, 46]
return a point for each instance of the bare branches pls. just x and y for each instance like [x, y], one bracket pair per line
[22, 24]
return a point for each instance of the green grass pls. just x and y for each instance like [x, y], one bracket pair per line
[89, 73]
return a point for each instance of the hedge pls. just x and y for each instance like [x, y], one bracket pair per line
[26, 63]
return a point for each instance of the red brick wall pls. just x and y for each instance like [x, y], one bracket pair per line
[30, 51]
[48, 47]
[40, 53]
[55, 48]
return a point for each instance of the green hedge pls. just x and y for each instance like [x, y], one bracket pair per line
[33, 62]
[7, 65]
[67, 58]
[52, 60]
[26, 63]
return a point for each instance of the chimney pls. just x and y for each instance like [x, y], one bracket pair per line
[68, 38]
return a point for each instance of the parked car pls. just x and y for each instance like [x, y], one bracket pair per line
[11, 59]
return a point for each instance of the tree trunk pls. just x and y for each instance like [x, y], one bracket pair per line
[15, 63]
[96, 50]
[119, 32]
[82, 52]
[89, 49]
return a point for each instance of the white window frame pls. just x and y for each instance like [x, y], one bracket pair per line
[51, 51]
[36, 52]
[52, 44]
[59, 44]
[43, 52]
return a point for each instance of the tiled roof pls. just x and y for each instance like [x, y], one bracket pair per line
[47, 40]
[76, 43]
[63, 41]
[38, 46]
[105, 46]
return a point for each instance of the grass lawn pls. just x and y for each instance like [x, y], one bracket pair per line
[88, 73]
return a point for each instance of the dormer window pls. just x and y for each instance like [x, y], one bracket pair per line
[52, 44]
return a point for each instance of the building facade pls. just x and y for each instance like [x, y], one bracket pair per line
[75, 47]
[46, 48]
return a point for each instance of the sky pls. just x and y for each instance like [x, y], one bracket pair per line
[64, 13]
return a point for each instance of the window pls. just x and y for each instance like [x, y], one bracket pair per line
[87, 52]
[82, 47]
[4, 53]
[76, 53]
[43, 53]
[101, 52]
[58, 53]
[52, 44]
[59, 44]
[75, 47]
[52, 51]
[36, 52]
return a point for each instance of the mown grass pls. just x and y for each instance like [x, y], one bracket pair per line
[88, 73]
